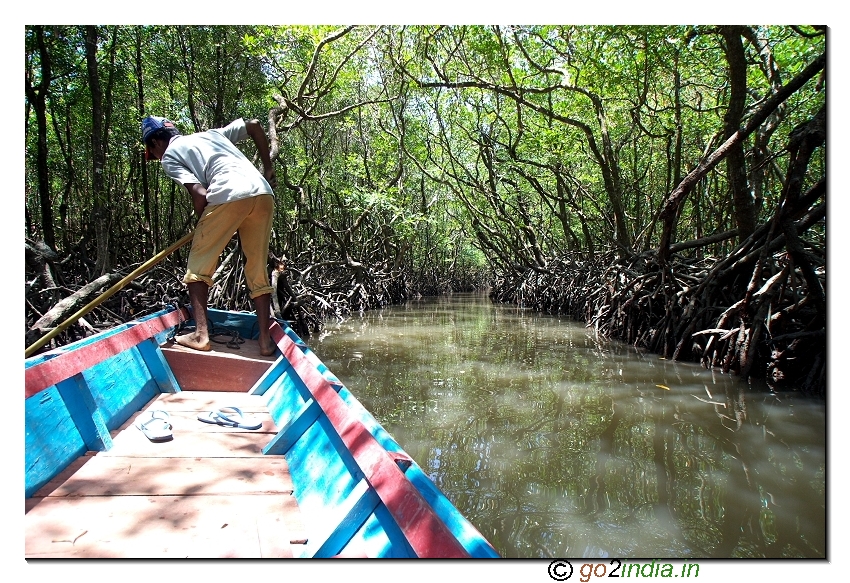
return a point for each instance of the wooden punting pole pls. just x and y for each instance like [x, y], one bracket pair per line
[107, 294]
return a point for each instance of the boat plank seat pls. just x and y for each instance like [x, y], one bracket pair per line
[223, 368]
[209, 492]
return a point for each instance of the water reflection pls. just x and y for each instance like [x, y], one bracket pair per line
[555, 443]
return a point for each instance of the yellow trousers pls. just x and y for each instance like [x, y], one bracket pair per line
[252, 219]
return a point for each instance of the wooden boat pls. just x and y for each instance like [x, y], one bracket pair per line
[317, 476]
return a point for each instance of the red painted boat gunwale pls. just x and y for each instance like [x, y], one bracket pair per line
[67, 364]
[428, 536]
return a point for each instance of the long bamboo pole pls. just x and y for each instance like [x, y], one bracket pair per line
[107, 294]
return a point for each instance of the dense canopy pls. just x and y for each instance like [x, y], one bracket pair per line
[666, 184]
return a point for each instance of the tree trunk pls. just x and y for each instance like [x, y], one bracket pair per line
[736, 171]
[670, 210]
[100, 211]
[37, 96]
[146, 205]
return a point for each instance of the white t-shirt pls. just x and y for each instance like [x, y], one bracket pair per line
[212, 160]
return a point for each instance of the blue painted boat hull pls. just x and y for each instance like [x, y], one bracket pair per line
[358, 491]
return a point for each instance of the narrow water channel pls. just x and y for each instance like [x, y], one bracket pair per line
[556, 443]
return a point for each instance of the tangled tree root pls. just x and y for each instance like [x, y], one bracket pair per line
[758, 312]
[307, 293]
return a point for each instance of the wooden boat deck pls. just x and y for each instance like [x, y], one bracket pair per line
[224, 368]
[209, 492]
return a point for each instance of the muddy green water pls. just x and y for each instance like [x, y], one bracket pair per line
[556, 443]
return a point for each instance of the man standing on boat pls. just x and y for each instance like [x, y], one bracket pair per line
[229, 196]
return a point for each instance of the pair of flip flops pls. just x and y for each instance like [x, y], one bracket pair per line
[230, 417]
[155, 425]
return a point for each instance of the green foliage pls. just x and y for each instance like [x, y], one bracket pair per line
[424, 145]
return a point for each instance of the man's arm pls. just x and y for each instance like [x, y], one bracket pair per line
[199, 197]
[255, 130]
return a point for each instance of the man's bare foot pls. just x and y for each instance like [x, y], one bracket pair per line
[192, 340]
[267, 347]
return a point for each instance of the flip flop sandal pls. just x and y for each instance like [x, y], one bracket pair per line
[213, 418]
[156, 428]
[230, 417]
[210, 417]
[227, 414]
